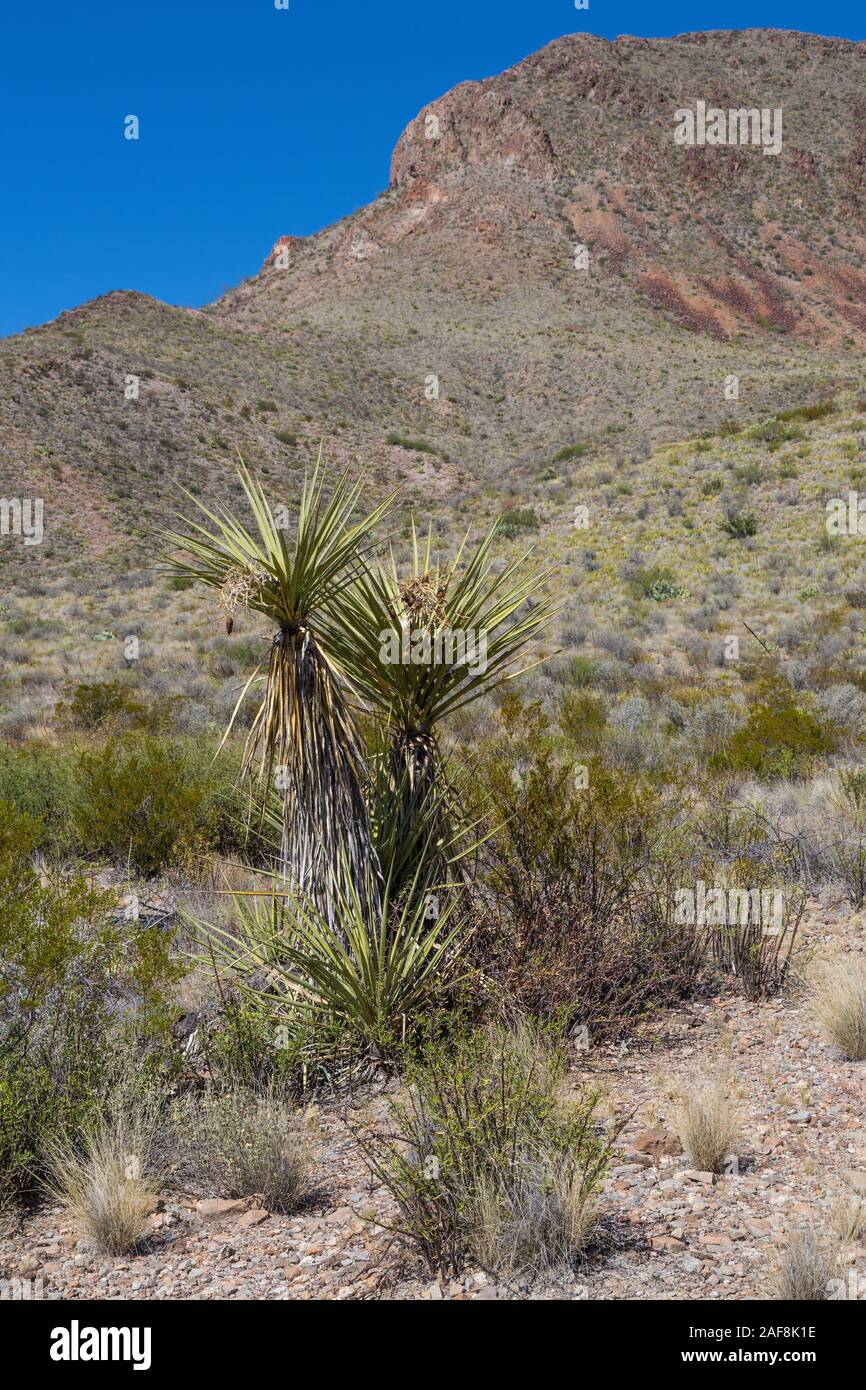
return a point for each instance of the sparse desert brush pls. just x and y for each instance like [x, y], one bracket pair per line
[707, 1122]
[837, 998]
[806, 1266]
[484, 1157]
[237, 1143]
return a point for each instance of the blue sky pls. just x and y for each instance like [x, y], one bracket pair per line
[254, 122]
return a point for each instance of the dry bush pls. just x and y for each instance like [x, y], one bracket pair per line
[707, 1123]
[838, 1003]
[805, 1267]
[580, 893]
[238, 1143]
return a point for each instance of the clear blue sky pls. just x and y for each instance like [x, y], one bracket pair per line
[254, 122]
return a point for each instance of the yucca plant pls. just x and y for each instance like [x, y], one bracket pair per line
[304, 730]
[372, 972]
[425, 646]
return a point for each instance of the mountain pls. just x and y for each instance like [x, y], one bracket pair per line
[704, 263]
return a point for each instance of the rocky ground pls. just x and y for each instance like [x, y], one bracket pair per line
[668, 1232]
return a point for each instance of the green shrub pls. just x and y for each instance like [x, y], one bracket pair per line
[575, 670]
[38, 779]
[418, 446]
[516, 520]
[657, 582]
[101, 704]
[77, 984]
[145, 801]
[776, 431]
[570, 451]
[739, 525]
[780, 738]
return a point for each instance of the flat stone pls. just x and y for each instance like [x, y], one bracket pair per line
[254, 1217]
[219, 1208]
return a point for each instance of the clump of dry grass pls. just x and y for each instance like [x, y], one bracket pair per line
[707, 1123]
[804, 1269]
[848, 1218]
[542, 1218]
[838, 1003]
[240, 1143]
[106, 1181]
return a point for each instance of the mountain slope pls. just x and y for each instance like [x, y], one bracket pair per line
[703, 263]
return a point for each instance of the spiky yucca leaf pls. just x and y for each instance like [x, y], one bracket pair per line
[388, 617]
[371, 973]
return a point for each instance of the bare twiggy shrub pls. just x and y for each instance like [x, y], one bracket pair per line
[239, 1143]
[707, 1122]
[107, 1181]
[838, 1004]
[804, 1269]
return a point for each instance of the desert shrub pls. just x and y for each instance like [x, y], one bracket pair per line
[846, 850]
[781, 737]
[77, 987]
[656, 582]
[516, 520]
[818, 411]
[838, 1004]
[417, 446]
[574, 670]
[844, 707]
[125, 791]
[483, 1158]
[579, 884]
[570, 451]
[99, 704]
[238, 1143]
[776, 431]
[245, 1048]
[739, 525]
[144, 800]
[707, 1123]
[38, 781]
[582, 717]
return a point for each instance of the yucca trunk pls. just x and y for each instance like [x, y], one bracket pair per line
[318, 770]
